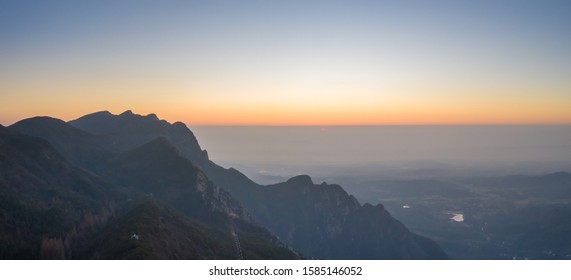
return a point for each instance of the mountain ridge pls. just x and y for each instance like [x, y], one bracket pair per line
[47, 205]
[75, 144]
[144, 154]
[254, 197]
[329, 223]
[52, 209]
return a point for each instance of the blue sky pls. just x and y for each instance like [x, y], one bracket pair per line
[309, 58]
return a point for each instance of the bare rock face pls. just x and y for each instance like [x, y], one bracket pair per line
[158, 168]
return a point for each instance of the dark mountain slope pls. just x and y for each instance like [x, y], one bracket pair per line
[128, 131]
[46, 204]
[375, 234]
[158, 170]
[51, 209]
[32, 169]
[75, 144]
[311, 218]
[325, 222]
[152, 230]
[125, 132]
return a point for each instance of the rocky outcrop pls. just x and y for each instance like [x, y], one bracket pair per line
[323, 221]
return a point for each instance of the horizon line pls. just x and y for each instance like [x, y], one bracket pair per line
[173, 119]
[330, 125]
[380, 124]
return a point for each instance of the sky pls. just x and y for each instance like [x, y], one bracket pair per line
[289, 62]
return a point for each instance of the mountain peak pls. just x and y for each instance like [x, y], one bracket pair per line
[129, 130]
[38, 126]
[100, 113]
[127, 113]
[301, 180]
[40, 120]
[180, 127]
[153, 116]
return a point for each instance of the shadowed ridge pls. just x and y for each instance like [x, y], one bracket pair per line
[314, 219]
[127, 113]
[152, 116]
[44, 199]
[302, 180]
[158, 169]
[325, 222]
[131, 130]
[150, 229]
[75, 144]
[43, 122]
[128, 131]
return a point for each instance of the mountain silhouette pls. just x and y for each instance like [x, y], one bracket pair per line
[47, 205]
[75, 144]
[54, 209]
[302, 214]
[150, 229]
[326, 222]
[129, 186]
[127, 131]
[125, 170]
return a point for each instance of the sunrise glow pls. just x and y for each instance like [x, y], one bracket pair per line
[284, 63]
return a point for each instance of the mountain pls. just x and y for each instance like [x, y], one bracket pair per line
[47, 206]
[324, 221]
[127, 131]
[318, 220]
[157, 169]
[75, 144]
[152, 230]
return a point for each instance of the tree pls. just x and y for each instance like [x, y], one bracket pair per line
[52, 249]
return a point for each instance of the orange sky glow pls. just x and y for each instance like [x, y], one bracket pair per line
[289, 63]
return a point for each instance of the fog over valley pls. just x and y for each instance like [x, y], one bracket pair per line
[481, 192]
[269, 154]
